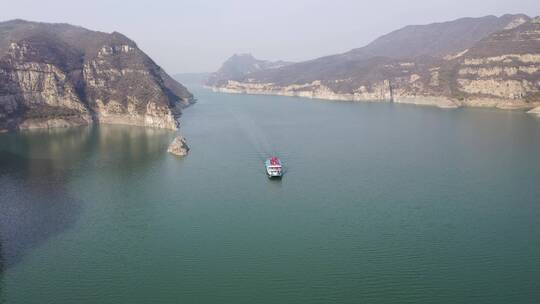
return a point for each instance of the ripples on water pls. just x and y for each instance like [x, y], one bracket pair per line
[33, 173]
[380, 204]
[36, 166]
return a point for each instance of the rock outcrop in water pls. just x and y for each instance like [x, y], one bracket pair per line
[178, 146]
[58, 75]
[487, 62]
[535, 111]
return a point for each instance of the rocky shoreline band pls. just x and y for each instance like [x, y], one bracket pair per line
[324, 93]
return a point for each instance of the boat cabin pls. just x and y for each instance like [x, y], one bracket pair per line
[274, 167]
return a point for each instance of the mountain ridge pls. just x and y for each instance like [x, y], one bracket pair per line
[423, 70]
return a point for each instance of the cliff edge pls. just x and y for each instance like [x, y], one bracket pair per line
[58, 75]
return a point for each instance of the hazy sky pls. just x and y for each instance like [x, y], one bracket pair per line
[197, 36]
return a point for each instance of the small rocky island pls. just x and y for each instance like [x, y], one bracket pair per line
[178, 146]
[59, 75]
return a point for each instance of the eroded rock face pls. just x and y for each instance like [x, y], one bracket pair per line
[178, 146]
[37, 93]
[58, 75]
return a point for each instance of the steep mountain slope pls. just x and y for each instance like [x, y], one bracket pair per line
[417, 64]
[437, 39]
[60, 75]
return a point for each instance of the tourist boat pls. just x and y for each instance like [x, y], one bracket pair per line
[273, 167]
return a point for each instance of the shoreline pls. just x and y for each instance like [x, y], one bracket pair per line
[441, 102]
[165, 121]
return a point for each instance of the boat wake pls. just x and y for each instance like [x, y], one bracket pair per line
[263, 147]
[255, 135]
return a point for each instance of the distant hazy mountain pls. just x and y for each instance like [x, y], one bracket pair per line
[488, 61]
[55, 75]
[242, 65]
[192, 78]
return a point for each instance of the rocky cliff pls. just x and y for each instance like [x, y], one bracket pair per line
[56, 75]
[485, 61]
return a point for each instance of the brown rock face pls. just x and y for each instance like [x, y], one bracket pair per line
[179, 146]
[57, 75]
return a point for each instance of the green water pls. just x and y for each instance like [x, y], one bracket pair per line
[380, 203]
